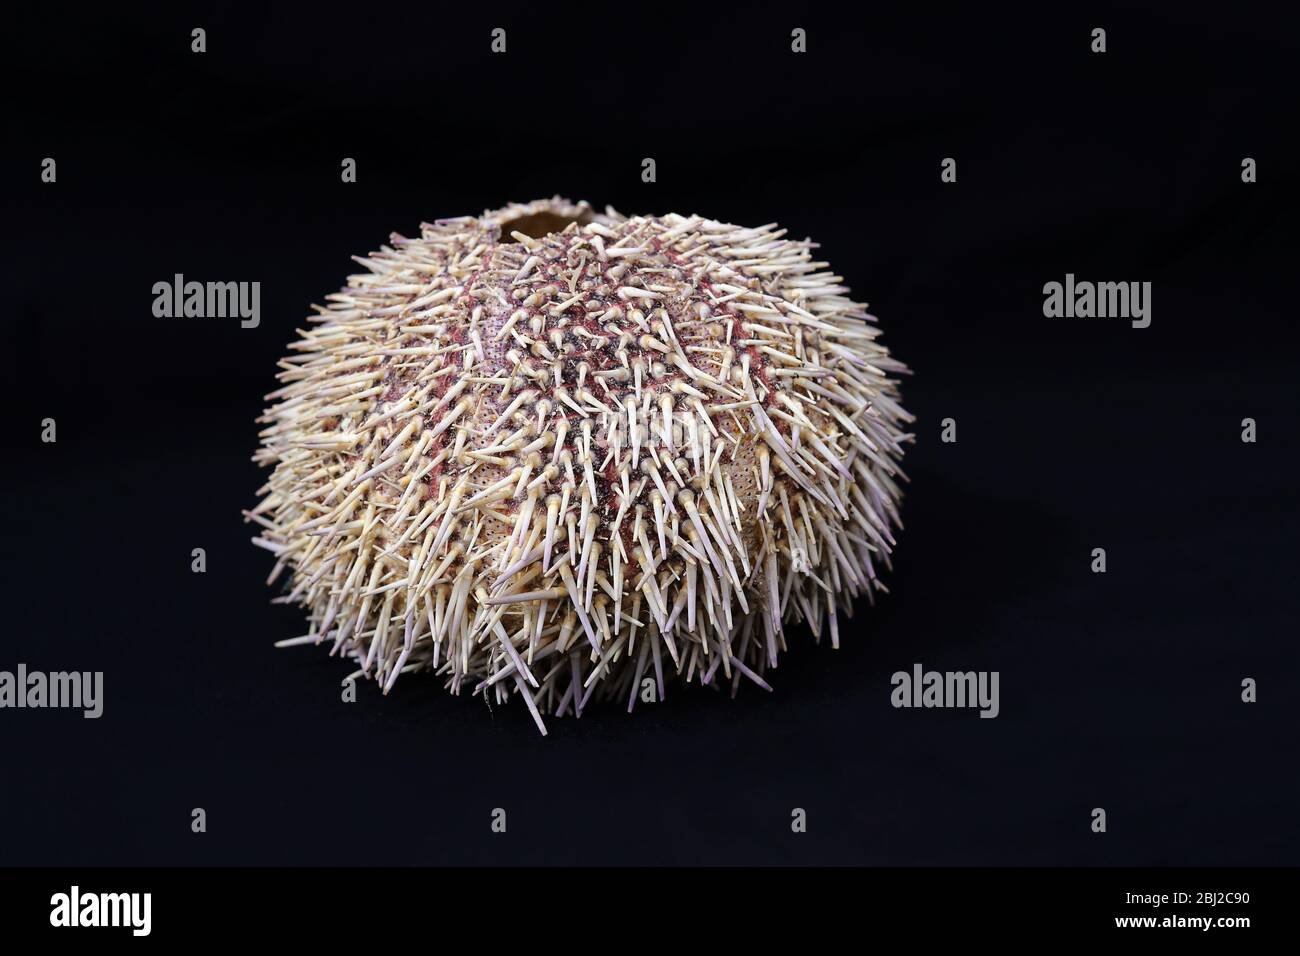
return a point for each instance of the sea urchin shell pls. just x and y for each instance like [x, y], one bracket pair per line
[563, 453]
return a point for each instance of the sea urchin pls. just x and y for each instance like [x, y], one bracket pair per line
[558, 452]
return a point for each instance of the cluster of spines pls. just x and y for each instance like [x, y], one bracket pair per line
[555, 464]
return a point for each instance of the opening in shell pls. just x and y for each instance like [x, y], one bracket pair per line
[540, 224]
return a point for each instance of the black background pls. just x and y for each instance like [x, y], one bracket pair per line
[1119, 690]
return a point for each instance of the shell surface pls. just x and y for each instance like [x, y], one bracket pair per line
[557, 453]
